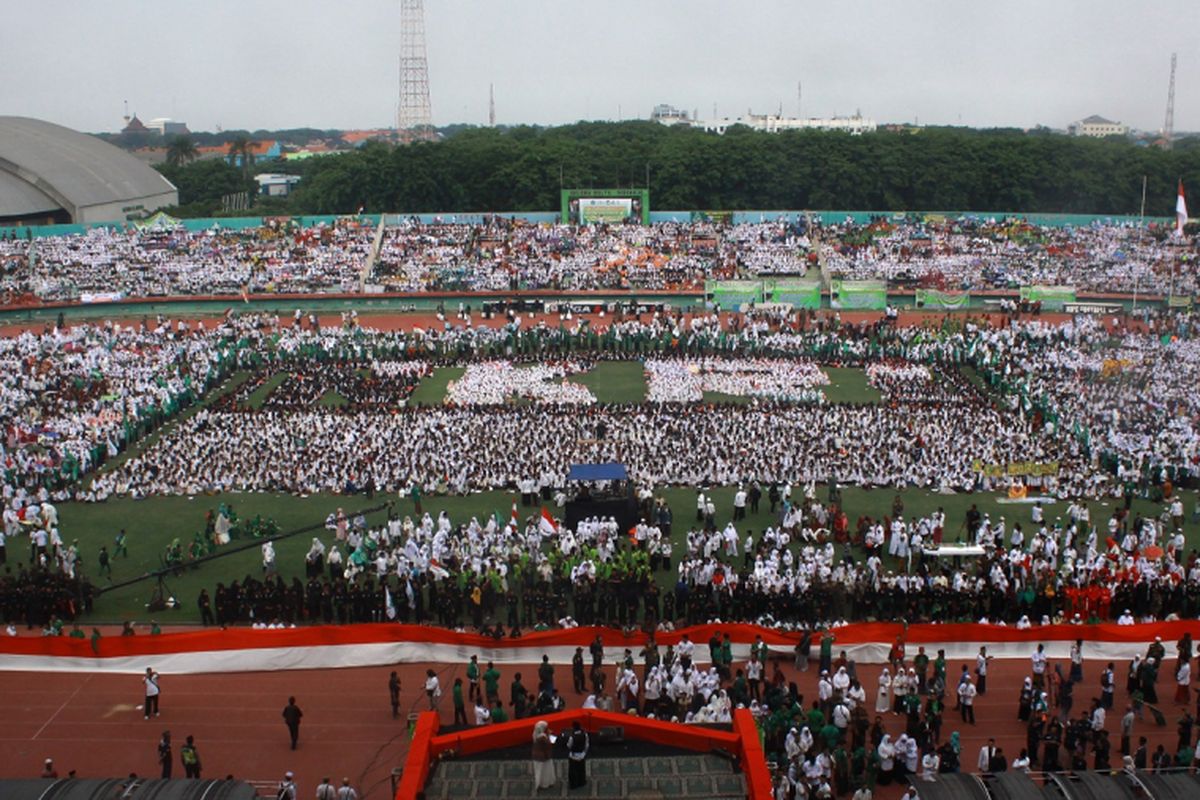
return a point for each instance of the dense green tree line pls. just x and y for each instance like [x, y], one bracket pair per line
[520, 169]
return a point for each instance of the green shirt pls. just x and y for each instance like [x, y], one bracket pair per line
[826, 646]
[491, 680]
[498, 715]
[473, 670]
[458, 698]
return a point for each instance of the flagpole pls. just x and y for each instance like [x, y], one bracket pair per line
[1141, 227]
[1174, 263]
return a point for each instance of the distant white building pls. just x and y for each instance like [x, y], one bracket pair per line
[276, 185]
[669, 115]
[1097, 127]
[767, 123]
[166, 126]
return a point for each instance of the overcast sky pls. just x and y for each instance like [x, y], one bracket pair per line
[297, 63]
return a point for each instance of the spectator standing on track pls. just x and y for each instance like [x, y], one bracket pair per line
[966, 693]
[291, 717]
[347, 791]
[460, 710]
[433, 689]
[152, 692]
[981, 669]
[394, 693]
[48, 770]
[190, 758]
[491, 684]
[287, 787]
[164, 754]
[326, 791]
[473, 678]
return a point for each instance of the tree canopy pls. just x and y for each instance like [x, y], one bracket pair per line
[950, 169]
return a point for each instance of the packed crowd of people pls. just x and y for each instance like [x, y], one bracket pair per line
[1060, 395]
[167, 262]
[968, 253]
[976, 253]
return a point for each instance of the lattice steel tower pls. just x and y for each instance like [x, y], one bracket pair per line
[414, 120]
[1169, 123]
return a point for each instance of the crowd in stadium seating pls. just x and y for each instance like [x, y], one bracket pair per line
[160, 262]
[502, 255]
[977, 253]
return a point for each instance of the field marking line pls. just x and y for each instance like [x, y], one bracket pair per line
[75, 693]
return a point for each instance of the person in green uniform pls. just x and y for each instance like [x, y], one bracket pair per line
[460, 710]
[491, 684]
[826, 657]
[473, 679]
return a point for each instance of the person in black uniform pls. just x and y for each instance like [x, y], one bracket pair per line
[577, 749]
[291, 717]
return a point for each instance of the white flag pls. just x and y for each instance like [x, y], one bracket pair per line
[391, 606]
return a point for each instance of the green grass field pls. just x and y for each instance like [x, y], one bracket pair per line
[432, 390]
[153, 523]
[616, 381]
[849, 385]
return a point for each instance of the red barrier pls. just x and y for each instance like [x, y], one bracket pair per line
[754, 759]
[743, 742]
[417, 764]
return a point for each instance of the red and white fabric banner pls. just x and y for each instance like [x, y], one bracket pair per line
[333, 646]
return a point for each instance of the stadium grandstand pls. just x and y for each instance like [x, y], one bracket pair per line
[52, 174]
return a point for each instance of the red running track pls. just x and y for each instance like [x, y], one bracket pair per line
[90, 723]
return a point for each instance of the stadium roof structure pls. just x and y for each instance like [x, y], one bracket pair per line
[597, 472]
[949, 786]
[123, 789]
[48, 171]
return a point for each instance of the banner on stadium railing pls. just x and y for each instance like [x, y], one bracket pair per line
[1051, 297]
[1016, 468]
[934, 298]
[1179, 301]
[101, 297]
[731, 295]
[858, 295]
[801, 294]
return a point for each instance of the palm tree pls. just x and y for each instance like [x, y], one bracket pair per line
[242, 149]
[181, 150]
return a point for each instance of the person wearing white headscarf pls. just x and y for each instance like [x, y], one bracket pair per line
[887, 759]
[883, 700]
[543, 764]
[841, 681]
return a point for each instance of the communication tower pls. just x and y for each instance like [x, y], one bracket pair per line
[414, 118]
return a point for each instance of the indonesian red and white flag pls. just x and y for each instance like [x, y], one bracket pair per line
[546, 524]
[514, 521]
[1181, 215]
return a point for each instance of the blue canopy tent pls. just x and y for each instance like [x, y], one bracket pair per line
[598, 472]
[616, 501]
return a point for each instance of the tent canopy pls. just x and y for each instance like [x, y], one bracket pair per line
[597, 472]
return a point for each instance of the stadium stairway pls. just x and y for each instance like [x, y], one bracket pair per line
[697, 777]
